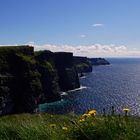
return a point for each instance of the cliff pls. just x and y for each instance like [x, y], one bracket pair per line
[49, 76]
[28, 78]
[82, 64]
[99, 61]
[19, 80]
[59, 71]
[68, 76]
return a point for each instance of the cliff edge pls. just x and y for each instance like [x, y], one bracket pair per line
[99, 61]
[28, 78]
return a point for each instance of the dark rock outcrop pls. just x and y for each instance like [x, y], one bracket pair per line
[49, 76]
[19, 80]
[82, 64]
[68, 76]
[59, 71]
[99, 61]
[28, 78]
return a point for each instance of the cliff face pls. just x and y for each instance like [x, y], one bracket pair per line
[82, 64]
[99, 61]
[68, 76]
[19, 80]
[27, 79]
[58, 73]
[49, 76]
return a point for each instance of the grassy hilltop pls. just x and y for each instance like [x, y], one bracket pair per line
[69, 127]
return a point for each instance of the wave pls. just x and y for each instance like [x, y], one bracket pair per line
[83, 77]
[64, 93]
[81, 87]
[52, 103]
[77, 89]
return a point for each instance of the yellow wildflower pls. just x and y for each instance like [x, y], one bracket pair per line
[92, 112]
[65, 128]
[125, 109]
[81, 120]
[86, 115]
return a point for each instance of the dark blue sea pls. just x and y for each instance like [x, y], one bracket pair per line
[115, 85]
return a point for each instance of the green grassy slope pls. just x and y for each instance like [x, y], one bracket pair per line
[68, 127]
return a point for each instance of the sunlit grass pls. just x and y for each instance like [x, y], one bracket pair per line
[69, 127]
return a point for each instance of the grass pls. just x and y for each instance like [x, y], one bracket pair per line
[68, 127]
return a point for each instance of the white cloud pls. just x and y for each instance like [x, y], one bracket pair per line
[98, 25]
[82, 36]
[31, 42]
[95, 50]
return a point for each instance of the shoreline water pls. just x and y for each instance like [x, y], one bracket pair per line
[116, 85]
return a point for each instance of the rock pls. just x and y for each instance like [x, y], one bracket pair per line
[28, 79]
[99, 61]
[82, 64]
[49, 76]
[19, 80]
[68, 76]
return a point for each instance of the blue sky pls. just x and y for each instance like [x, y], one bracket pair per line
[71, 22]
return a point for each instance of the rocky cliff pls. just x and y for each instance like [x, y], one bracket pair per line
[82, 64]
[19, 80]
[68, 76]
[49, 76]
[28, 78]
[99, 61]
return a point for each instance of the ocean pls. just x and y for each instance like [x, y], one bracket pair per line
[116, 85]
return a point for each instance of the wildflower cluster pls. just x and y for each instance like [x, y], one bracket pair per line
[89, 114]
